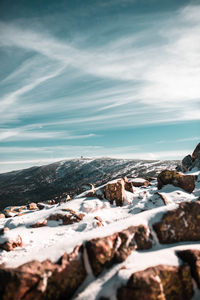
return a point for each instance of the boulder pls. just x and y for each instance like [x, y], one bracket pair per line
[192, 257]
[104, 252]
[133, 238]
[180, 224]
[44, 280]
[187, 162]
[11, 244]
[138, 182]
[68, 218]
[160, 282]
[178, 179]
[191, 161]
[32, 206]
[128, 185]
[12, 211]
[39, 224]
[99, 193]
[196, 152]
[115, 192]
[101, 252]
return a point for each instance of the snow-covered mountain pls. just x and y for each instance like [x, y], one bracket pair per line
[71, 177]
[129, 238]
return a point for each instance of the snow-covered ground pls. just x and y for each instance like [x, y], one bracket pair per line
[144, 206]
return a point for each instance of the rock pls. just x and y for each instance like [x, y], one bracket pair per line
[192, 257]
[160, 282]
[68, 198]
[138, 182]
[32, 206]
[101, 252]
[196, 152]
[44, 280]
[2, 216]
[70, 218]
[10, 245]
[133, 238]
[12, 211]
[115, 192]
[104, 252]
[99, 221]
[187, 162]
[181, 224]
[39, 224]
[186, 182]
[128, 185]
[191, 161]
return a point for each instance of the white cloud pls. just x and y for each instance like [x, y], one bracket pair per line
[167, 73]
[24, 134]
[141, 81]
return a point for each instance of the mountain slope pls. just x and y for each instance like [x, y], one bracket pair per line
[88, 248]
[46, 182]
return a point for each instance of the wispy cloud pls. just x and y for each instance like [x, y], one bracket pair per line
[22, 134]
[140, 78]
[168, 82]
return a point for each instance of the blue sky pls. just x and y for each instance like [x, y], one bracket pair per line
[98, 78]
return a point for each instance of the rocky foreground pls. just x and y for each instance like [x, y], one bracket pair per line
[131, 238]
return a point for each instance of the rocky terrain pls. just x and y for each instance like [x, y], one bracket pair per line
[70, 177]
[130, 238]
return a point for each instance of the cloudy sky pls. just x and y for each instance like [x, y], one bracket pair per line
[118, 78]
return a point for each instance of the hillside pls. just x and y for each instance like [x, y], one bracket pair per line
[130, 238]
[69, 177]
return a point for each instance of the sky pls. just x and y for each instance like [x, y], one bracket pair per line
[89, 78]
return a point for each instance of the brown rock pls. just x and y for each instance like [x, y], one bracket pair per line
[68, 198]
[192, 257]
[70, 218]
[32, 206]
[161, 282]
[103, 252]
[10, 211]
[178, 179]
[19, 209]
[43, 280]
[137, 183]
[196, 152]
[11, 245]
[115, 192]
[39, 224]
[181, 224]
[14, 211]
[128, 185]
[99, 221]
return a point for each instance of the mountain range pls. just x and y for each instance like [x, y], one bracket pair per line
[71, 177]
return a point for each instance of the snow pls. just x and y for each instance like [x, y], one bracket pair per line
[137, 180]
[144, 206]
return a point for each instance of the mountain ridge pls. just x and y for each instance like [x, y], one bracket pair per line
[47, 182]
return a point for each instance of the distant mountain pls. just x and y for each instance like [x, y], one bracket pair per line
[70, 177]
